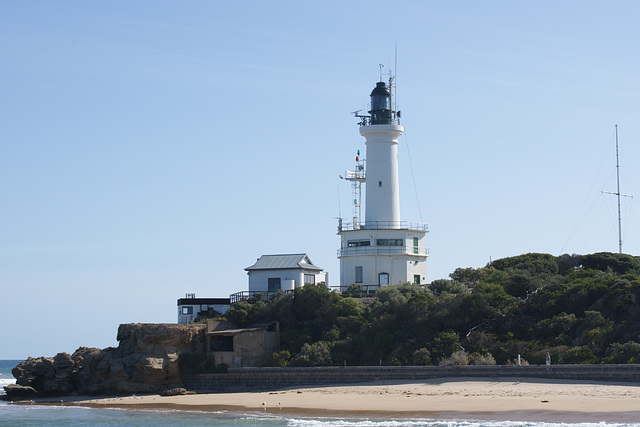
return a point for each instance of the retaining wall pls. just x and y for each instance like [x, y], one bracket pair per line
[264, 379]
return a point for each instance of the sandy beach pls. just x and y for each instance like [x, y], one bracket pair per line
[445, 398]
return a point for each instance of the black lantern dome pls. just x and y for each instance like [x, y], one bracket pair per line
[380, 105]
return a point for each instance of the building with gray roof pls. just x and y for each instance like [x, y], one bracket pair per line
[272, 273]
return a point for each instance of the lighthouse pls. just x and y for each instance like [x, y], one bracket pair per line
[382, 249]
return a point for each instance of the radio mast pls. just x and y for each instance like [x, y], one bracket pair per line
[617, 193]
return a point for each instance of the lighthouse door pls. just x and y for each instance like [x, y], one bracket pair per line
[383, 279]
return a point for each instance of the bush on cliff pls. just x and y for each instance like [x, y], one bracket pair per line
[279, 359]
[314, 354]
[582, 309]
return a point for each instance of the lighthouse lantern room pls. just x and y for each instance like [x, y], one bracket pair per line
[383, 249]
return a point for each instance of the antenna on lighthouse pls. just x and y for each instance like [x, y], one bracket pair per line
[393, 89]
[357, 177]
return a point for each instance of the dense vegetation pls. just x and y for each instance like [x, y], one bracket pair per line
[579, 308]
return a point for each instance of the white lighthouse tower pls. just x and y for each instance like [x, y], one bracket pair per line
[383, 249]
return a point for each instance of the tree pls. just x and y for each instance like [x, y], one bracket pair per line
[442, 286]
[421, 357]
[314, 354]
[528, 305]
[628, 352]
[617, 263]
[279, 359]
[445, 344]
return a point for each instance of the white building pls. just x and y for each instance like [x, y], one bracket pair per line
[190, 306]
[271, 273]
[383, 249]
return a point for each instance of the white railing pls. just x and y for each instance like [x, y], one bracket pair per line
[383, 250]
[382, 225]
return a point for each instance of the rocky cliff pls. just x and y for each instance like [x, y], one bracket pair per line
[145, 361]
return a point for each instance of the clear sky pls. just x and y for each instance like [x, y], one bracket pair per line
[154, 148]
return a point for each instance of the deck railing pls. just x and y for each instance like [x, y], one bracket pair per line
[383, 250]
[356, 290]
[382, 225]
[264, 295]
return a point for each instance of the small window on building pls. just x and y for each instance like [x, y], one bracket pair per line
[221, 343]
[415, 245]
[187, 310]
[310, 278]
[274, 284]
[355, 243]
[416, 279]
[389, 242]
[359, 278]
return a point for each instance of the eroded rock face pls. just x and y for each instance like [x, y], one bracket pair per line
[20, 392]
[145, 361]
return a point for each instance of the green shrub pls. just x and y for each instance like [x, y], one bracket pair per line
[444, 345]
[279, 359]
[481, 359]
[628, 352]
[458, 358]
[421, 357]
[314, 354]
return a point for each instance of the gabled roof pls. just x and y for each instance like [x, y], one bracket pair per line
[284, 262]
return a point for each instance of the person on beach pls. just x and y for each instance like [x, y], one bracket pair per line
[548, 359]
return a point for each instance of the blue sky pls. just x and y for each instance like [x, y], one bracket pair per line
[155, 148]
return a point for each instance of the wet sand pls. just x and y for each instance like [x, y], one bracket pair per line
[444, 398]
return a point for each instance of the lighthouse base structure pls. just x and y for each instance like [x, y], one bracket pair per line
[374, 257]
[383, 250]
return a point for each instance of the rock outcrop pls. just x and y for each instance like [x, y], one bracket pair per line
[145, 361]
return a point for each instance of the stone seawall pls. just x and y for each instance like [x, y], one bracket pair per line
[264, 379]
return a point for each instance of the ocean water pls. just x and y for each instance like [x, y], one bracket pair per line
[38, 415]
[5, 373]
[54, 415]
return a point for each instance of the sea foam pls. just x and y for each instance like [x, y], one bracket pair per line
[4, 382]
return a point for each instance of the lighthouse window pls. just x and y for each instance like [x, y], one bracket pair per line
[354, 243]
[389, 242]
[359, 275]
[379, 103]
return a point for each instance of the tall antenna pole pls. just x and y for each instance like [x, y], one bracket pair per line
[395, 70]
[618, 194]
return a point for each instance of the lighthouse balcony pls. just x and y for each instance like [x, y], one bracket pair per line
[382, 225]
[383, 250]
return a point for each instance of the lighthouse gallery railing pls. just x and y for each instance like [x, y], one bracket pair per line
[382, 225]
[383, 250]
